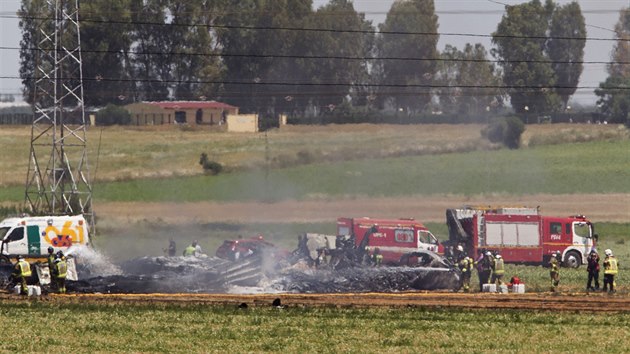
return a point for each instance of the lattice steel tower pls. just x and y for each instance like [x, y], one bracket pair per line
[58, 179]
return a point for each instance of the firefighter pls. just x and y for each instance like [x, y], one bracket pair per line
[485, 269]
[466, 267]
[593, 271]
[51, 258]
[377, 257]
[172, 248]
[322, 259]
[554, 272]
[190, 250]
[498, 270]
[59, 273]
[459, 254]
[610, 270]
[21, 271]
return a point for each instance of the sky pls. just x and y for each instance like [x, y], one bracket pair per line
[455, 16]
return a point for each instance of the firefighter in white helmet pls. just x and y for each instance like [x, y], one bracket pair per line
[21, 272]
[498, 271]
[611, 268]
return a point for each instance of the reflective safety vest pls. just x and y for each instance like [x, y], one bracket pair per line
[554, 264]
[51, 261]
[610, 265]
[499, 267]
[25, 269]
[378, 258]
[466, 265]
[189, 251]
[61, 269]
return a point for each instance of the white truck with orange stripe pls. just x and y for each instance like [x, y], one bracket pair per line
[30, 236]
[395, 239]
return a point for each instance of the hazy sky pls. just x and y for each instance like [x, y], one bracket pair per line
[455, 16]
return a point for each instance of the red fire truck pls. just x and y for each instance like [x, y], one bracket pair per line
[395, 238]
[521, 234]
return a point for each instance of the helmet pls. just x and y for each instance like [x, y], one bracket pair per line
[498, 256]
[466, 258]
[608, 252]
[460, 248]
[19, 257]
[60, 254]
[488, 253]
[553, 254]
[51, 250]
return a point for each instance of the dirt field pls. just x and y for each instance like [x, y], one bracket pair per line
[546, 302]
[598, 208]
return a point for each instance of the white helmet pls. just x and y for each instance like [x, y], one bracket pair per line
[608, 252]
[466, 258]
[498, 256]
[488, 253]
[460, 248]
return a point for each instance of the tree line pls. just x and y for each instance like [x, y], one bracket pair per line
[283, 56]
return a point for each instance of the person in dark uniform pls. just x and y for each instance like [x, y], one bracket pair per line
[593, 271]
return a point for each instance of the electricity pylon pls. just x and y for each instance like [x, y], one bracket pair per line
[58, 179]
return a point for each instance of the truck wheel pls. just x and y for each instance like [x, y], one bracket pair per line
[572, 260]
[4, 259]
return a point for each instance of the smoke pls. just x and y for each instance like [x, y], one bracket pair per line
[94, 262]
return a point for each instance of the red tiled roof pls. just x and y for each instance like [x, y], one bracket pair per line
[191, 104]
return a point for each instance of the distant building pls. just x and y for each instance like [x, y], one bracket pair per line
[180, 112]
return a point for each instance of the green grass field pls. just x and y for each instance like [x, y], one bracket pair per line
[207, 329]
[594, 167]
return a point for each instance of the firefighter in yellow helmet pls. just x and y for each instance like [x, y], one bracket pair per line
[21, 272]
[611, 268]
[59, 272]
[466, 267]
[554, 272]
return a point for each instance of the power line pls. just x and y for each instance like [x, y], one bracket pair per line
[337, 57]
[279, 28]
[334, 84]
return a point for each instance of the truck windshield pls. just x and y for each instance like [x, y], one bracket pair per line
[3, 232]
[426, 237]
[582, 229]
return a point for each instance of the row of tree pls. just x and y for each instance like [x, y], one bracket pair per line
[283, 56]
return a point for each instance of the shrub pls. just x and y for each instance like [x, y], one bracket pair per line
[112, 114]
[211, 167]
[505, 130]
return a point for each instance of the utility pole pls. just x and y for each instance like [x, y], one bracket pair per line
[58, 179]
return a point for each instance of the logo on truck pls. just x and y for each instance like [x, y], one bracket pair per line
[68, 235]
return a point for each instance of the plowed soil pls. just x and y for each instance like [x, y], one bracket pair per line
[597, 207]
[545, 302]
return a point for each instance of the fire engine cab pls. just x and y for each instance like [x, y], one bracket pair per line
[394, 238]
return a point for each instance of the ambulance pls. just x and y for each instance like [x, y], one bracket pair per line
[30, 236]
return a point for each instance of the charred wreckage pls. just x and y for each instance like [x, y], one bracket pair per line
[320, 264]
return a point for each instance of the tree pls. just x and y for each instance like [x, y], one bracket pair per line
[105, 50]
[153, 58]
[567, 54]
[349, 35]
[246, 39]
[197, 66]
[614, 93]
[30, 23]
[522, 41]
[409, 32]
[113, 114]
[469, 83]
